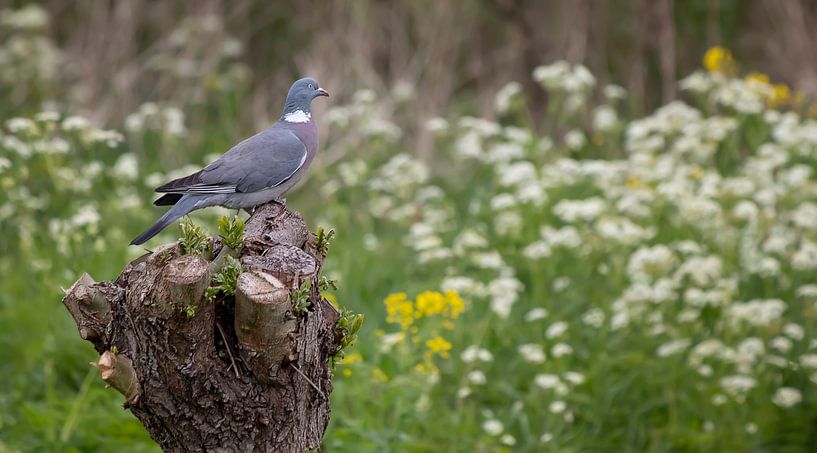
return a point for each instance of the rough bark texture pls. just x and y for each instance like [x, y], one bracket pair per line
[243, 373]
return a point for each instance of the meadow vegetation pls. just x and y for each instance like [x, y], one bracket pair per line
[594, 282]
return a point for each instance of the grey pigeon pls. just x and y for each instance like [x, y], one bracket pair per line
[260, 169]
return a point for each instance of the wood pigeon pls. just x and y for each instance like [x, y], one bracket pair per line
[260, 169]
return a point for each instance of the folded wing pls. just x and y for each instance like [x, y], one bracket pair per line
[260, 162]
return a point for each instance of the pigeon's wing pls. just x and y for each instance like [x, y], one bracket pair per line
[262, 161]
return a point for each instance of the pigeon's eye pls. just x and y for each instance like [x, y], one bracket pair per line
[312, 87]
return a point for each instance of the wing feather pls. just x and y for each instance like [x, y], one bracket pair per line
[263, 161]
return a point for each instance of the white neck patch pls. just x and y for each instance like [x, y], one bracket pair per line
[298, 116]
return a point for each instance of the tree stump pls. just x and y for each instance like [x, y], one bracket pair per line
[234, 374]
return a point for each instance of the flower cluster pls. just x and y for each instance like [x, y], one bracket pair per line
[682, 257]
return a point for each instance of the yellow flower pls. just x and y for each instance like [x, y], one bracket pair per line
[439, 345]
[430, 303]
[757, 77]
[399, 310]
[379, 376]
[781, 94]
[426, 368]
[718, 59]
[347, 372]
[633, 182]
[352, 359]
[454, 302]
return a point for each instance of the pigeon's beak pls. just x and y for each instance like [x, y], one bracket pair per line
[322, 92]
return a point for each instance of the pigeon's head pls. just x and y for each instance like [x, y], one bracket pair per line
[301, 95]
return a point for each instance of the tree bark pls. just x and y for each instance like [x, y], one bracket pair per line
[243, 373]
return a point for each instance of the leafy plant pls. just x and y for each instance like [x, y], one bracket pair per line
[300, 296]
[348, 325]
[225, 280]
[325, 284]
[194, 239]
[323, 239]
[231, 230]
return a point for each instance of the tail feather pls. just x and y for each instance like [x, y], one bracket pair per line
[168, 199]
[185, 205]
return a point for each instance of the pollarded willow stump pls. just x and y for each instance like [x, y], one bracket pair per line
[243, 373]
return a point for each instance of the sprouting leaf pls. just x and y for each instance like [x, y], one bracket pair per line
[231, 230]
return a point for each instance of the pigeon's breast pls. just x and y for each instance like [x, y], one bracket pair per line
[308, 133]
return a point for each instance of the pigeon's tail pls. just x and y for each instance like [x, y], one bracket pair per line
[185, 204]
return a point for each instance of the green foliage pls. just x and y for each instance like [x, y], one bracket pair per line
[231, 230]
[300, 296]
[348, 326]
[194, 240]
[225, 279]
[325, 284]
[324, 239]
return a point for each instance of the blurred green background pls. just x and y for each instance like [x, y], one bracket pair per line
[557, 245]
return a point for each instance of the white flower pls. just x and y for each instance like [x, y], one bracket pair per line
[501, 304]
[477, 377]
[75, 123]
[532, 353]
[507, 439]
[110, 138]
[758, 312]
[126, 167]
[536, 314]
[16, 125]
[560, 284]
[697, 82]
[473, 353]
[605, 118]
[508, 223]
[575, 139]
[614, 92]
[738, 385]
[537, 250]
[463, 286]
[808, 361]
[786, 397]
[556, 329]
[561, 349]
[545, 438]
[493, 427]
[648, 262]
[48, 116]
[574, 377]
[574, 210]
[437, 124]
[87, 215]
[506, 95]
[389, 340]
[593, 317]
[557, 407]
[672, 347]
[782, 344]
[29, 17]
